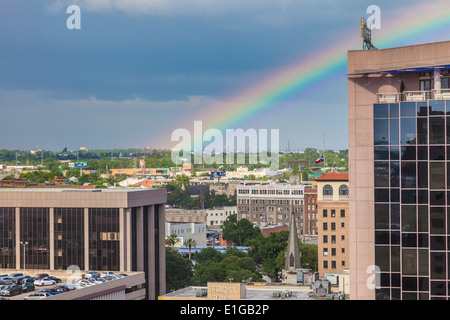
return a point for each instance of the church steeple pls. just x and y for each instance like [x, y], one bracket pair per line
[293, 260]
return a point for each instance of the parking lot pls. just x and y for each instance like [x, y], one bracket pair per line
[67, 280]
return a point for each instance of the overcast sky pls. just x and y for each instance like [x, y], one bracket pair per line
[137, 67]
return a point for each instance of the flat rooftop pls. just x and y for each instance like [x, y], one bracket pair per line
[81, 198]
[414, 58]
[106, 190]
[253, 292]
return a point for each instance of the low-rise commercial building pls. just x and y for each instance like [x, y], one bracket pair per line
[217, 216]
[271, 204]
[99, 229]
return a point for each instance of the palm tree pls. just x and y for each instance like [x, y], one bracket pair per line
[190, 243]
[172, 240]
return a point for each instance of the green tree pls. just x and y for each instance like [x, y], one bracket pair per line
[190, 243]
[178, 271]
[221, 267]
[207, 255]
[208, 272]
[239, 232]
[181, 180]
[172, 240]
[266, 250]
[309, 255]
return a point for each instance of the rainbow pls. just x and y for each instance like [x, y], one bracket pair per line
[308, 73]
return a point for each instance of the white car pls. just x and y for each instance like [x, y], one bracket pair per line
[96, 280]
[92, 274]
[37, 296]
[108, 274]
[44, 282]
[84, 283]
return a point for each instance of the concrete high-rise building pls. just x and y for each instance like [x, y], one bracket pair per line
[399, 173]
[119, 230]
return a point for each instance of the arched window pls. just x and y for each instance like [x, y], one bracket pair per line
[343, 190]
[328, 190]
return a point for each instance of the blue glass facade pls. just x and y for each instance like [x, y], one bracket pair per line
[412, 190]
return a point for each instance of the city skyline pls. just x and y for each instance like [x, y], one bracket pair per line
[138, 70]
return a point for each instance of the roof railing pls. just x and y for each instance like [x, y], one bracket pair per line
[389, 97]
[417, 96]
[413, 96]
[441, 94]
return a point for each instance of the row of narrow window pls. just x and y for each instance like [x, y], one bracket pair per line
[328, 190]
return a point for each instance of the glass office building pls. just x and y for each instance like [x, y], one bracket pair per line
[120, 230]
[411, 191]
[399, 174]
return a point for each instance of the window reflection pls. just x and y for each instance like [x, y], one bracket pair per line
[394, 132]
[437, 130]
[395, 174]
[7, 238]
[104, 239]
[437, 107]
[408, 131]
[69, 237]
[407, 109]
[381, 110]
[381, 132]
[34, 229]
[408, 174]
[412, 178]
[422, 130]
[381, 216]
[393, 110]
[437, 175]
[381, 174]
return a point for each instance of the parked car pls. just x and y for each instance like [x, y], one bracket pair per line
[90, 274]
[97, 280]
[108, 274]
[51, 291]
[23, 280]
[27, 280]
[57, 280]
[18, 281]
[15, 276]
[40, 276]
[62, 288]
[73, 287]
[83, 283]
[6, 281]
[37, 296]
[28, 286]
[76, 286]
[44, 282]
[11, 290]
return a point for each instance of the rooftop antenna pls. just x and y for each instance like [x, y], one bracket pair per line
[366, 34]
